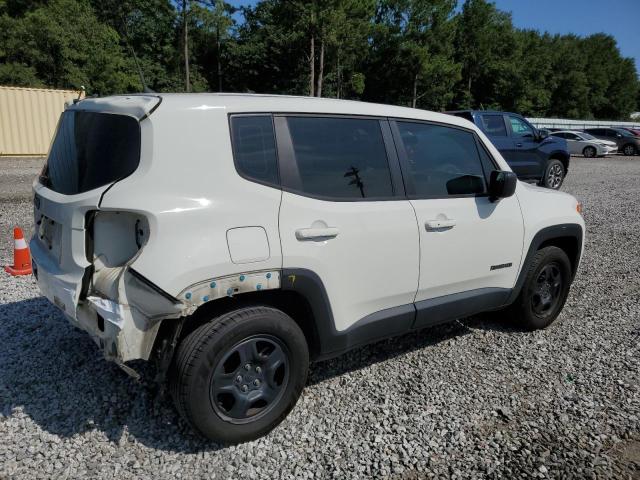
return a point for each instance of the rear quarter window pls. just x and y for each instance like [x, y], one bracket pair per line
[254, 148]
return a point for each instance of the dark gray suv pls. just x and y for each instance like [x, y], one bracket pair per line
[628, 143]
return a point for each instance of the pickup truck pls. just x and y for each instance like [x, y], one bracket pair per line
[531, 153]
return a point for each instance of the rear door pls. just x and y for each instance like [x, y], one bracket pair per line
[345, 219]
[470, 247]
[575, 144]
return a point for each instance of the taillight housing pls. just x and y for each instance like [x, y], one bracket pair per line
[115, 237]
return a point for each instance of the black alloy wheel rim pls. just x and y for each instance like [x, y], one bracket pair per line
[547, 290]
[250, 379]
[629, 150]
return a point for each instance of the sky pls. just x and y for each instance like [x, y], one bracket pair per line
[619, 18]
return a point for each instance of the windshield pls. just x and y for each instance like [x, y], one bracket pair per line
[624, 133]
[91, 150]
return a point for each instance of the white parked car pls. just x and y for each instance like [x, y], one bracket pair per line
[231, 238]
[582, 143]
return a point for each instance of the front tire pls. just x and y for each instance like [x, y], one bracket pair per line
[589, 152]
[545, 289]
[629, 150]
[553, 174]
[237, 377]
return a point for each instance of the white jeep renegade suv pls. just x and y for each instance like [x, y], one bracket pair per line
[233, 238]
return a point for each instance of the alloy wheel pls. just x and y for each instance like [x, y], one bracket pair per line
[554, 176]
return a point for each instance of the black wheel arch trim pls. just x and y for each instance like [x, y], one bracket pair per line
[566, 230]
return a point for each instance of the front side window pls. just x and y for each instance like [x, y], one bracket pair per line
[339, 158]
[520, 127]
[493, 125]
[442, 161]
[254, 148]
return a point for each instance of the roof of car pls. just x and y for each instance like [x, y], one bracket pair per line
[257, 103]
[453, 112]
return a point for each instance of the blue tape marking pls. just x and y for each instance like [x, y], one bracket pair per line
[258, 287]
[242, 277]
[230, 291]
[188, 295]
[268, 275]
[213, 285]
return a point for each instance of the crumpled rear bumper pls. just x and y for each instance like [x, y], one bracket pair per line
[125, 326]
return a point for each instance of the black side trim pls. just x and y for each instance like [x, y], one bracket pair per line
[378, 325]
[565, 230]
[385, 323]
[458, 305]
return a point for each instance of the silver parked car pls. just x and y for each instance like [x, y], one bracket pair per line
[582, 143]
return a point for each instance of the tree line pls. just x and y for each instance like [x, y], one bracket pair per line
[428, 54]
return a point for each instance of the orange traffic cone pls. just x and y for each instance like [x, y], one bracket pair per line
[21, 257]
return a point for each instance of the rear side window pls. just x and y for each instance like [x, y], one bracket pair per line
[442, 161]
[339, 158]
[91, 150]
[493, 125]
[254, 148]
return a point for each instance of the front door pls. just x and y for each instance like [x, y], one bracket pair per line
[527, 156]
[470, 247]
[344, 218]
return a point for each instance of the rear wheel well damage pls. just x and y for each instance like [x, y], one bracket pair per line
[292, 303]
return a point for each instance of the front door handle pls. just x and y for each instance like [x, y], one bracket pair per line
[317, 233]
[518, 144]
[440, 224]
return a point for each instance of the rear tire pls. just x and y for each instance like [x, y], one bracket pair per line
[589, 152]
[545, 289]
[629, 150]
[237, 377]
[554, 174]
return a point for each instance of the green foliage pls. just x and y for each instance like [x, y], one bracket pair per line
[423, 53]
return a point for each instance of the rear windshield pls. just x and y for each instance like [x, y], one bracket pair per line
[91, 150]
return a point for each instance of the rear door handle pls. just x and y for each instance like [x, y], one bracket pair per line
[518, 144]
[438, 224]
[316, 233]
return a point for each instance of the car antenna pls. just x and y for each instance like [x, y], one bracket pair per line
[145, 88]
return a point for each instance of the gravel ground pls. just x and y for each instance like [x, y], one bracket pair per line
[474, 399]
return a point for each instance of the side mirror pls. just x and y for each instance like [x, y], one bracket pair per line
[502, 184]
[542, 134]
[619, 135]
